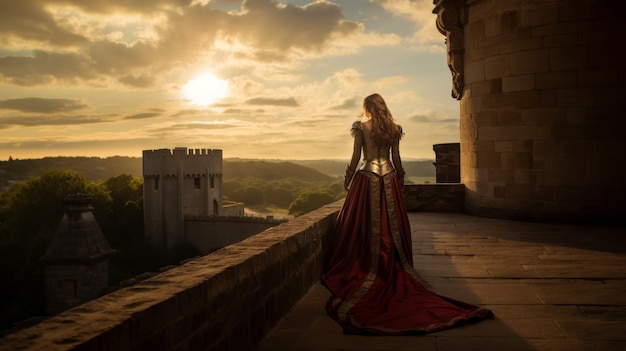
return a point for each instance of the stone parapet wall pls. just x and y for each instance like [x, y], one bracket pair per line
[444, 197]
[227, 300]
[210, 233]
[542, 120]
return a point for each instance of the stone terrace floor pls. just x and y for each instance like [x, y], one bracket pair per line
[550, 286]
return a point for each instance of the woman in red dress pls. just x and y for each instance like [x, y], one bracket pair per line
[370, 274]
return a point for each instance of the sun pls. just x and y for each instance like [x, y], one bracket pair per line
[205, 89]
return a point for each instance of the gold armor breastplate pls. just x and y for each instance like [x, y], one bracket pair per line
[378, 166]
[376, 157]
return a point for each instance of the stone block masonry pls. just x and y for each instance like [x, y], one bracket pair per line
[443, 197]
[177, 183]
[227, 300]
[208, 234]
[541, 106]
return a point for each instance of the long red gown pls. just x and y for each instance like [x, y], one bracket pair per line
[370, 274]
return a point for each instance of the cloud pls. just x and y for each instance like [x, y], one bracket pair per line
[313, 121]
[60, 146]
[109, 56]
[45, 120]
[420, 13]
[137, 6]
[83, 41]
[432, 119]
[209, 126]
[187, 112]
[143, 115]
[138, 81]
[46, 67]
[288, 102]
[272, 25]
[351, 103]
[30, 21]
[420, 119]
[41, 105]
[234, 111]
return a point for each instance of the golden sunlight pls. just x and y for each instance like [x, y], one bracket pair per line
[205, 89]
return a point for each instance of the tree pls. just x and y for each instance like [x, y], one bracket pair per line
[249, 195]
[337, 189]
[230, 186]
[125, 219]
[279, 196]
[124, 188]
[309, 201]
[36, 205]
[30, 213]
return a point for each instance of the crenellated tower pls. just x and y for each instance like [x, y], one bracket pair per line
[178, 183]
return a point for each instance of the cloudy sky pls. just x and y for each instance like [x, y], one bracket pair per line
[281, 79]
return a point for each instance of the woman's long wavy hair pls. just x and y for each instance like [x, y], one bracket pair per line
[384, 129]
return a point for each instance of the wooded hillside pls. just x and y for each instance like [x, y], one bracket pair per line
[95, 168]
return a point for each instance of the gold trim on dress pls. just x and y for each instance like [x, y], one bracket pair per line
[374, 183]
[395, 230]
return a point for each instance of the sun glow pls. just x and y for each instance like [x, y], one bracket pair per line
[205, 89]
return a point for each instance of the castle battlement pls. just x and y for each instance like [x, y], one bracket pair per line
[182, 162]
[182, 152]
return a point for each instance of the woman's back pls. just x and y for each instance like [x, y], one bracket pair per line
[376, 153]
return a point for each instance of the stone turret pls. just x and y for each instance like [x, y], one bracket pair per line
[76, 262]
[541, 90]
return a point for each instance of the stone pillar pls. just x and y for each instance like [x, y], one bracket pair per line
[76, 262]
[542, 120]
[447, 162]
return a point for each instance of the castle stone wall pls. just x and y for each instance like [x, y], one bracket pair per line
[233, 209]
[542, 116]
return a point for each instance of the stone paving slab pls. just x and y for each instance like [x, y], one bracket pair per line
[506, 344]
[552, 287]
[582, 292]
[480, 293]
[594, 329]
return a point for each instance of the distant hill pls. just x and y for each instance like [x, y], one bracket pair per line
[271, 170]
[92, 168]
[96, 168]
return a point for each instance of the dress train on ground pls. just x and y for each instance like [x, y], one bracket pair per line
[374, 287]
